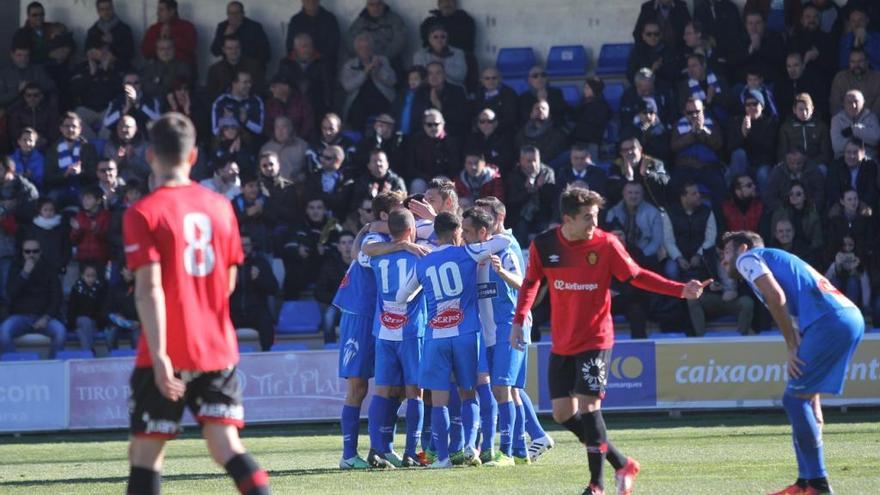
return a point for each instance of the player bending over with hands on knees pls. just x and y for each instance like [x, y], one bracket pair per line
[183, 245]
[578, 259]
[831, 327]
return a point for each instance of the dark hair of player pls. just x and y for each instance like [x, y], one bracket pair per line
[399, 221]
[172, 138]
[573, 198]
[385, 202]
[493, 204]
[480, 218]
[446, 223]
[743, 237]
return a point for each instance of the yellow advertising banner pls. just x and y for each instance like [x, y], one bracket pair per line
[748, 369]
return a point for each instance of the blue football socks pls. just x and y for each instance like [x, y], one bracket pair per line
[488, 415]
[415, 410]
[350, 429]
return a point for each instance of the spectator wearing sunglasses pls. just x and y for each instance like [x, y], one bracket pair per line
[501, 99]
[539, 89]
[653, 52]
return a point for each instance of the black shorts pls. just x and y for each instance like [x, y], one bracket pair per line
[211, 396]
[583, 374]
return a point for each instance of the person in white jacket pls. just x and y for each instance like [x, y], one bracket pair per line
[438, 50]
[368, 80]
[855, 121]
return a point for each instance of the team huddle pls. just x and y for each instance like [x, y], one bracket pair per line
[435, 307]
[445, 295]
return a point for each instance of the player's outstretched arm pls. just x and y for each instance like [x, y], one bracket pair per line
[409, 289]
[774, 298]
[482, 251]
[372, 249]
[150, 302]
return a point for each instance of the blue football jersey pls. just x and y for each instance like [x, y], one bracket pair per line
[448, 277]
[396, 320]
[357, 291]
[497, 299]
[809, 295]
[425, 234]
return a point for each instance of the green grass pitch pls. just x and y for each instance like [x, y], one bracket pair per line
[748, 453]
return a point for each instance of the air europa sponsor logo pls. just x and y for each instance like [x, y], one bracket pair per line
[563, 285]
[447, 318]
[392, 321]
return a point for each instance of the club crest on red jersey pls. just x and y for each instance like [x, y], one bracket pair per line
[592, 257]
[447, 318]
[393, 321]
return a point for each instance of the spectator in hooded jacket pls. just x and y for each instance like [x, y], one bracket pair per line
[478, 179]
[88, 229]
[752, 139]
[84, 306]
[591, 116]
[458, 24]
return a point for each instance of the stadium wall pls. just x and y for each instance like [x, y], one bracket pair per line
[500, 23]
[278, 387]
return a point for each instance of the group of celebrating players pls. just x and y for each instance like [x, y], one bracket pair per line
[437, 305]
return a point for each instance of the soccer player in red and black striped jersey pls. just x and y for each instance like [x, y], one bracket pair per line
[578, 259]
[183, 245]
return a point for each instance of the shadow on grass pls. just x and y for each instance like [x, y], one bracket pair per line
[616, 420]
[172, 477]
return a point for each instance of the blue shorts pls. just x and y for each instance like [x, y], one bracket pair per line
[504, 364]
[450, 359]
[357, 351]
[826, 348]
[397, 362]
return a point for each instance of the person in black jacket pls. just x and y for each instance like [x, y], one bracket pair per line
[443, 96]
[121, 312]
[488, 140]
[110, 30]
[332, 271]
[310, 73]
[321, 25]
[84, 306]
[670, 15]
[49, 229]
[378, 179]
[498, 97]
[250, 210]
[540, 90]
[654, 53]
[254, 43]
[431, 152]
[282, 207]
[382, 138]
[306, 246]
[332, 183]
[591, 116]
[531, 195]
[34, 293]
[249, 303]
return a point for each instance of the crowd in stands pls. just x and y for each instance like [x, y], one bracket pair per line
[763, 119]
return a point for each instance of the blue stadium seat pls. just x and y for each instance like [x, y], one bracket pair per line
[613, 58]
[299, 317]
[515, 62]
[571, 93]
[246, 349]
[332, 346]
[667, 335]
[74, 354]
[620, 335]
[355, 136]
[290, 346]
[122, 353]
[567, 61]
[519, 86]
[19, 356]
[99, 144]
[613, 92]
